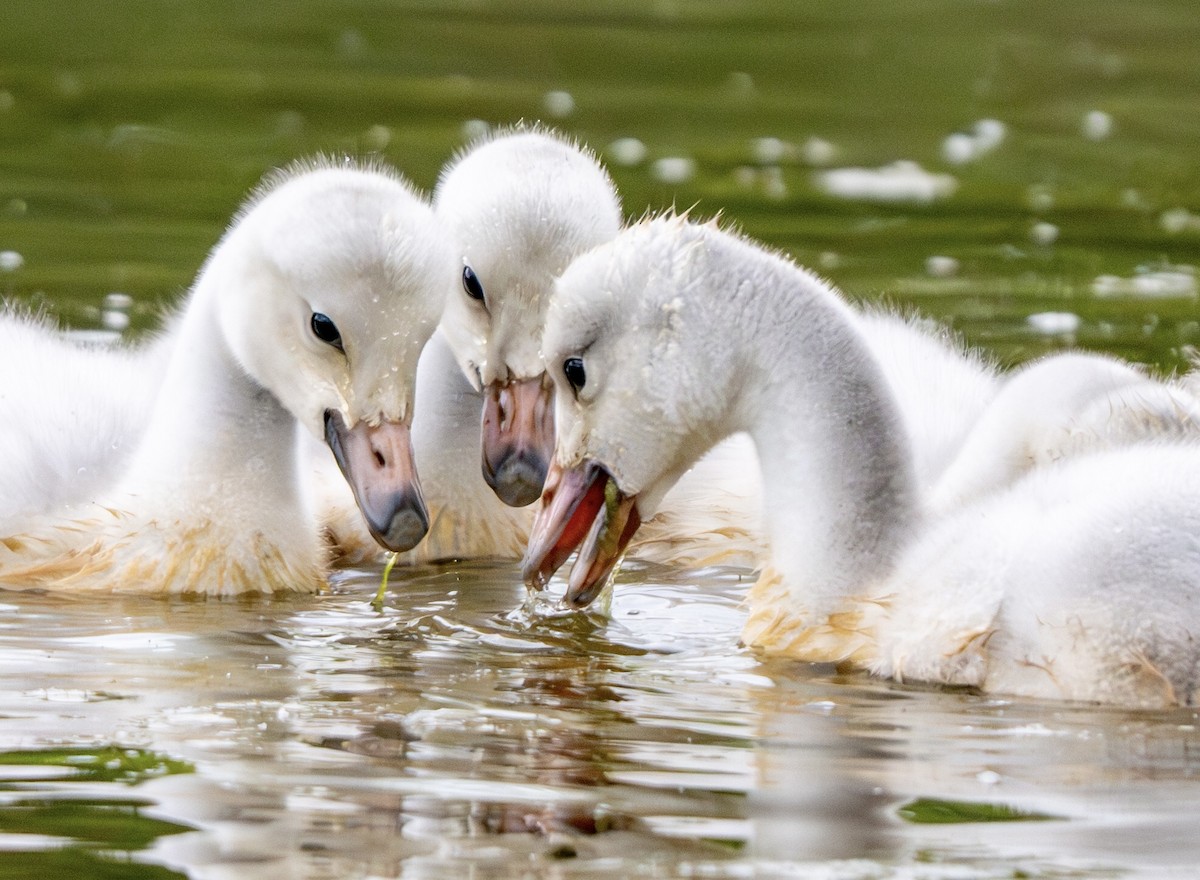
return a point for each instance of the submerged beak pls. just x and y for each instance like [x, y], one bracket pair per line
[518, 438]
[582, 506]
[378, 464]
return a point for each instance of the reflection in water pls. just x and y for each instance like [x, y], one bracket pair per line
[461, 731]
[448, 734]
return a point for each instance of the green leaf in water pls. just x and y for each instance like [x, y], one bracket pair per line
[932, 811]
[103, 764]
[112, 824]
[72, 862]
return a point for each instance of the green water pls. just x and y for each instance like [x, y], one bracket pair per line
[443, 736]
[129, 135]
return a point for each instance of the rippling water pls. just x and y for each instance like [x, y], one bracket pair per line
[1048, 157]
[458, 731]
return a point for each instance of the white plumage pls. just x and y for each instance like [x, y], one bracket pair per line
[1079, 580]
[308, 315]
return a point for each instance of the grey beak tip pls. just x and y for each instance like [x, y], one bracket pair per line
[518, 480]
[404, 530]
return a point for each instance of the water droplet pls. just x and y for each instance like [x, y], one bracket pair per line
[10, 261]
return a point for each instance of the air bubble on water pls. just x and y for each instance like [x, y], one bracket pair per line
[1039, 197]
[377, 137]
[1096, 125]
[474, 129]
[674, 169]
[1043, 233]
[773, 183]
[558, 104]
[818, 151]
[958, 148]
[627, 151]
[114, 319]
[770, 150]
[938, 266]
[1054, 323]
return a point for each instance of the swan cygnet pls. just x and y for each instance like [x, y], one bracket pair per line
[1060, 406]
[309, 314]
[522, 204]
[1081, 580]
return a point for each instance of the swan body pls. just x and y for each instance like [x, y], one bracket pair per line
[1060, 406]
[309, 314]
[1079, 580]
[72, 411]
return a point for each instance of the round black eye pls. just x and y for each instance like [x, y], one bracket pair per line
[471, 284]
[576, 375]
[326, 331]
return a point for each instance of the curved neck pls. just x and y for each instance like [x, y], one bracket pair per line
[838, 477]
[213, 428]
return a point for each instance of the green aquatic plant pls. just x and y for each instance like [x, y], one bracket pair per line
[100, 764]
[377, 602]
[933, 811]
[110, 823]
[76, 862]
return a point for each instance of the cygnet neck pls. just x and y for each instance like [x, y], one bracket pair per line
[213, 427]
[839, 485]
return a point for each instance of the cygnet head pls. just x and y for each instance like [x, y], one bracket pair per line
[522, 205]
[644, 387]
[328, 285]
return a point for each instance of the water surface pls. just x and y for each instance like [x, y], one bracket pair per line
[455, 732]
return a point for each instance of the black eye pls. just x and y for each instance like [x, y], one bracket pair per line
[326, 331]
[576, 375]
[471, 284]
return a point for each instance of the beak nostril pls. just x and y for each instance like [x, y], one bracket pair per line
[379, 459]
